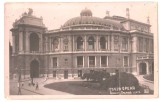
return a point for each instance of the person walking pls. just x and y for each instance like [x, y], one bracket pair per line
[22, 83]
[19, 89]
[37, 86]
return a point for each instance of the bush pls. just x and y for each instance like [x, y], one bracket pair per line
[122, 79]
[96, 76]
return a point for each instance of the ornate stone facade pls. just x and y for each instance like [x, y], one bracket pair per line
[82, 44]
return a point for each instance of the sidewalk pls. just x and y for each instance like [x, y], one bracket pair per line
[145, 82]
[42, 90]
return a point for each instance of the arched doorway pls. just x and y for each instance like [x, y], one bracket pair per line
[34, 69]
[142, 68]
[34, 42]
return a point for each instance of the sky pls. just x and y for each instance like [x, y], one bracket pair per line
[56, 14]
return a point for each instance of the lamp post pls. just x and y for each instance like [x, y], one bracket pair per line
[19, 80]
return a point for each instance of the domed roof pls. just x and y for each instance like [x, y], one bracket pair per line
[86, 12]
[87, 20]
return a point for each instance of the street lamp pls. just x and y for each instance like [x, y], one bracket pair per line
[19, 80]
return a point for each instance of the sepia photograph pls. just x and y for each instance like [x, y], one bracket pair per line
[81, 50]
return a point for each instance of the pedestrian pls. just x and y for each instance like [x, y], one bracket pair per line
[19, 89]
[29, 83]
[22, 84]
[37, 86]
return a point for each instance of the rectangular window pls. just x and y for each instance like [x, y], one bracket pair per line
[103, 61]
[107, 37]
[54, 62]
[124, 44]
[125, 61]
[66, 61]
[79, 61]
[91, 61]
[144, 45]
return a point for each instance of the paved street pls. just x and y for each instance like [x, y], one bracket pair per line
[143, 81]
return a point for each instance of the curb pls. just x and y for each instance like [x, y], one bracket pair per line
[148, 80]
[32, 91]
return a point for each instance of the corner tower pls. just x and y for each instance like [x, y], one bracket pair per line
[27, 38]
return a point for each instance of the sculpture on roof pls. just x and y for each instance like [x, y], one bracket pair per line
[24, 14]
[30, 11]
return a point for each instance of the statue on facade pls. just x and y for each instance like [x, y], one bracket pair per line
[30, 11]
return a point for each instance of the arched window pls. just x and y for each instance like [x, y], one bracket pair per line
[116, 43]
[91, 43]
[102, 43]
[34, 42]
[55, 44]
[65, 44]
[79, 43]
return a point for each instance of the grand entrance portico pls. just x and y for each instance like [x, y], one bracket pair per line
[145, 65]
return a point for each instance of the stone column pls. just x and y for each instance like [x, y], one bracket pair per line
[69, 44]
[128, 45]
[134, 44]
[97, 43]
[83, 61]
[13, 44]
[119, 43]
[60, 44]
[40, 42]
[76, 64]
[88, 61]
[27, 42]
[85, 43]
[107, 60]
[95, 61]
[112, 43]
[100, 61]
[137, 68]
[46, 44]
[107, 43]
[73, 44]
[143, 44]
[149, 46]
[49, 44]
[147, 67]
[20, 41]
